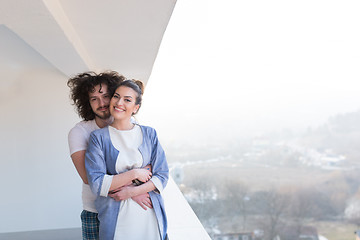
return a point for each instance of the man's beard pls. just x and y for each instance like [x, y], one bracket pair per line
[103, 116]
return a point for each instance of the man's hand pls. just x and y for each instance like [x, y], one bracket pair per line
[127, 192]
[143, 200]
[122, 193]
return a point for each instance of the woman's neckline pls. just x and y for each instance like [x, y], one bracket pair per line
[124, 130]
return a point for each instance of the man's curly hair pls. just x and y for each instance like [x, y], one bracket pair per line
[83, 83]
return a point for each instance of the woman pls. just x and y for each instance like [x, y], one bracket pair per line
[114, 159]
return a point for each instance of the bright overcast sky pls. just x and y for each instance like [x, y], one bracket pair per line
[255, 65]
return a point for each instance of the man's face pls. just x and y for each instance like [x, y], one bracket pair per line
[99, 101]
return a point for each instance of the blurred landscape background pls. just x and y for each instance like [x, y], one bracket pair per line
[276, 181]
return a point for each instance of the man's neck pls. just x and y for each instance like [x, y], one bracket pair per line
[101, 123]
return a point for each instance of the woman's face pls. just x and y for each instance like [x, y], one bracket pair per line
[122, 104]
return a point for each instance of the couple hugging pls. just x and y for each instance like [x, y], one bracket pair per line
[121, 163]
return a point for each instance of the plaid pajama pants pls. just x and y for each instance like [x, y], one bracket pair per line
[90, 225]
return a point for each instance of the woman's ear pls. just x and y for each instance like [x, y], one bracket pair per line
[136, 109]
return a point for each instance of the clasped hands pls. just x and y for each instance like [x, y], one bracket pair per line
[128, 191]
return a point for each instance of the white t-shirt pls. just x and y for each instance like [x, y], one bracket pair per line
[78, 139]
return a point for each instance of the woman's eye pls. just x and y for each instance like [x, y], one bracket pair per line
[128, 100]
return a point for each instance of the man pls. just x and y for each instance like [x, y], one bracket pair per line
[91, 93]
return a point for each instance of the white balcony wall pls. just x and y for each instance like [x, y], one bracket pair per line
[40, 187]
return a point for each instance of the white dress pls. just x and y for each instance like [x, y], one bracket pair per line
[133, 221]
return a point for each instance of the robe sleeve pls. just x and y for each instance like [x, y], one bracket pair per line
[159, 165]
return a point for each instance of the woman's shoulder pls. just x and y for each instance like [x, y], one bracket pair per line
[149, 132]
[147, 129]
[101, 132]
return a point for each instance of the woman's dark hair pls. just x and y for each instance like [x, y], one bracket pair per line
[137, 86]
[84, 83]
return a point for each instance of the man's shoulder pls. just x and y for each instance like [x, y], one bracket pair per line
[87, 126]
[78, 136]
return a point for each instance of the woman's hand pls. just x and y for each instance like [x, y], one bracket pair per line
[143, 200]
[142, 174]
[148, 167]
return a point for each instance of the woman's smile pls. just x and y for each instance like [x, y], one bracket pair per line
[119, 109]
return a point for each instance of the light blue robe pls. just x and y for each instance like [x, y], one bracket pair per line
[100, 159]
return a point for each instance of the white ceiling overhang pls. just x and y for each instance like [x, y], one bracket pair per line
[82, 35]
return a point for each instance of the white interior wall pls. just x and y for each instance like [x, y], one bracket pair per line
[40, 187]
